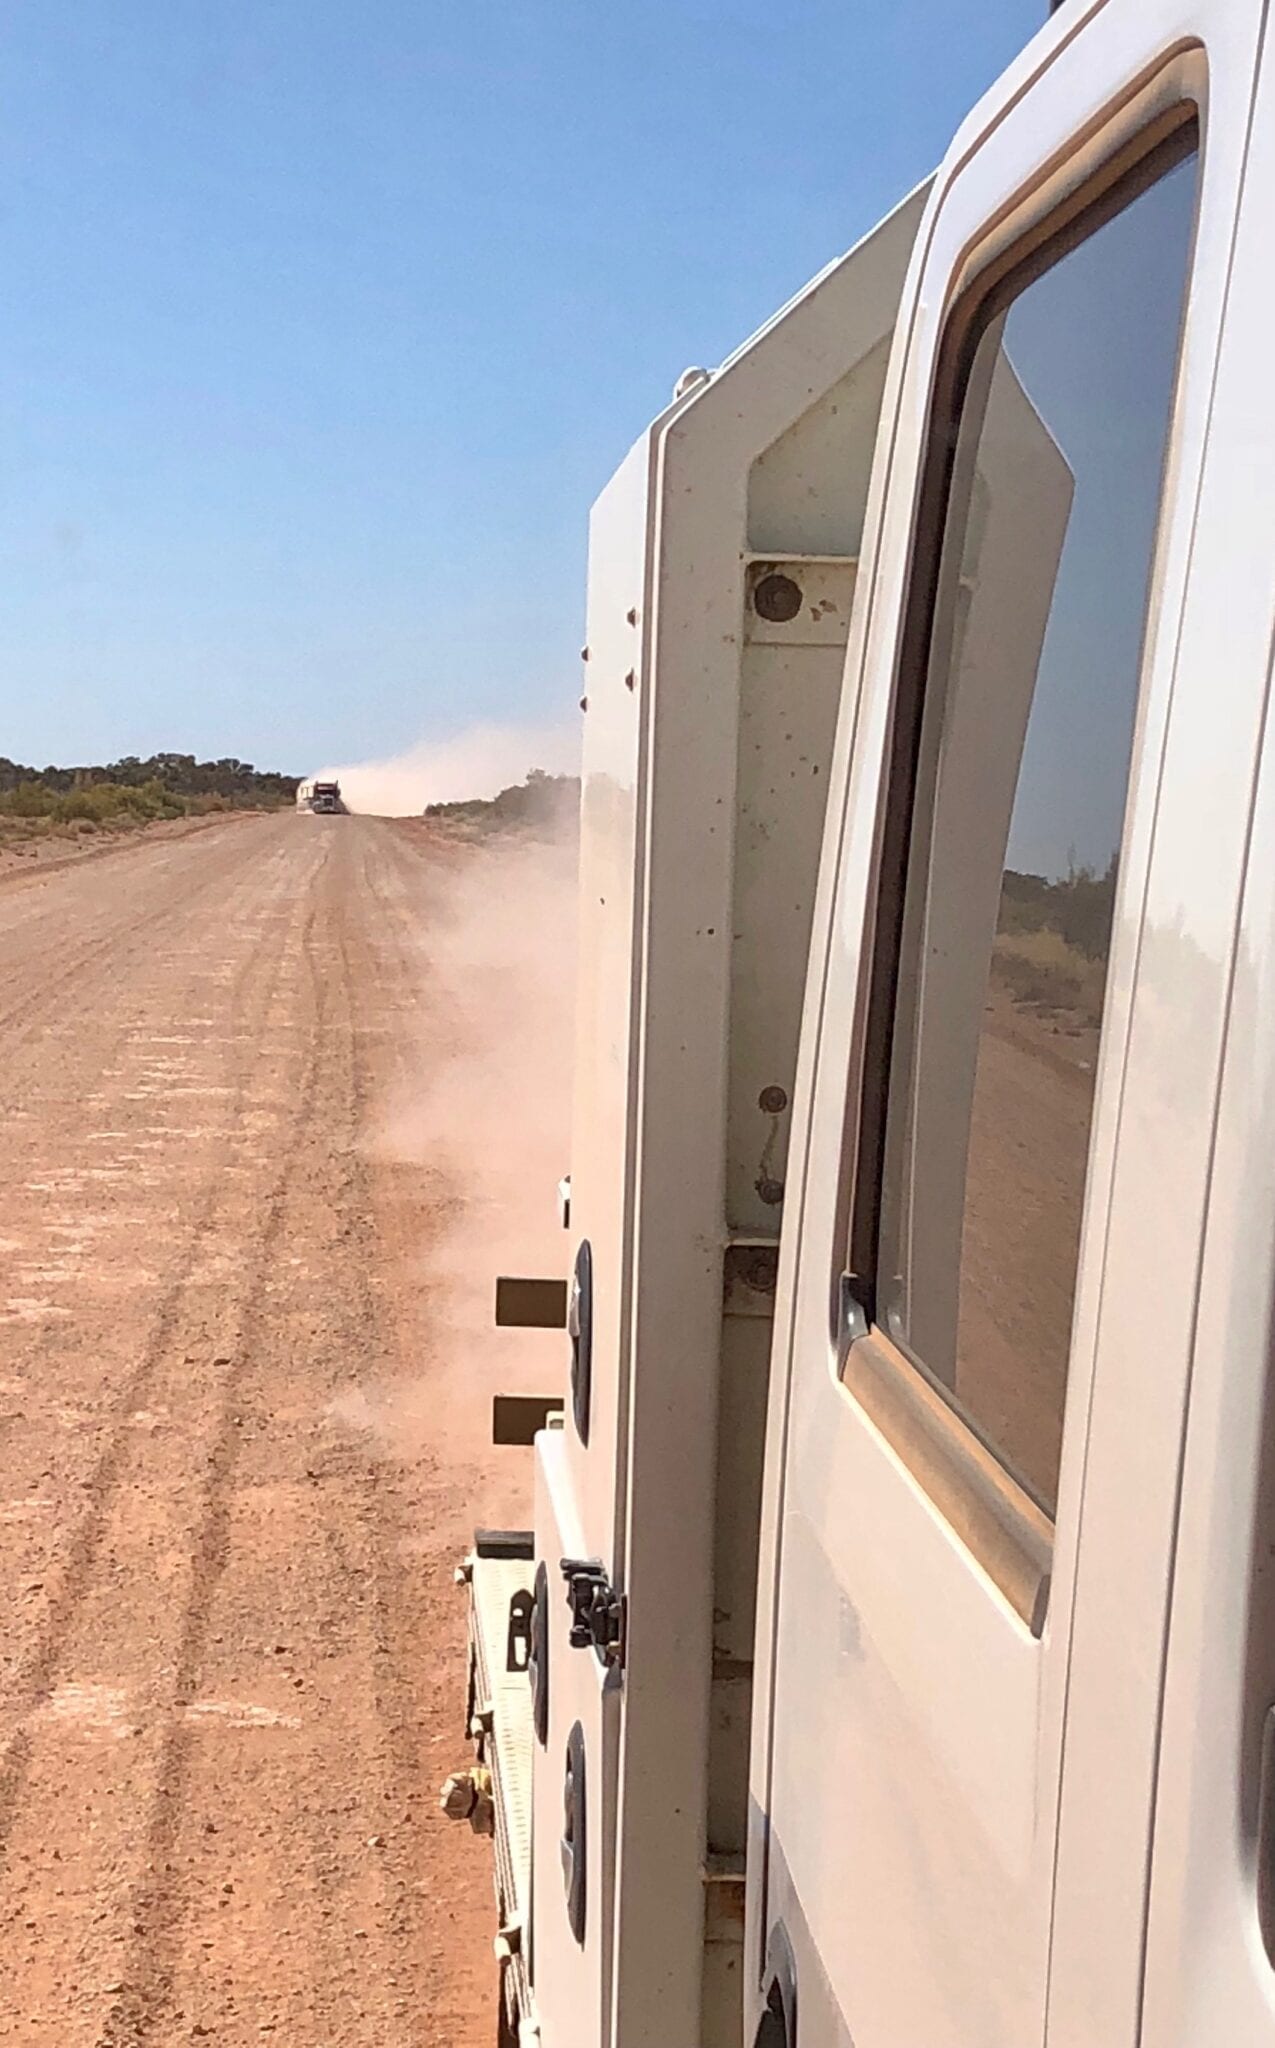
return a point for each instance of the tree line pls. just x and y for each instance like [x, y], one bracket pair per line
[1079, 906]
[542, 804]
[179, 775]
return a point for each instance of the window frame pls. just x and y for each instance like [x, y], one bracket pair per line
[968, 1479]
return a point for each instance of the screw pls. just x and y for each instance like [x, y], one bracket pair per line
[772, 1100]
[771, 1192]
[631, 615]
[630, 681]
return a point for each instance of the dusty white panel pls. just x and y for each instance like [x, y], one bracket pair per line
[708, 729]
[790, 680]
[807, 492]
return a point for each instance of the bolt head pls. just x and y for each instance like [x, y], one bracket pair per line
[777, 598]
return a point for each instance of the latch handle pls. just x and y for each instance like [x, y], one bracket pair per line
[597, 1610]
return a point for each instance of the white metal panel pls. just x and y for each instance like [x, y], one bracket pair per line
[1140, 1328]
[920, 1887]
[683, 1138]
[569, 1979]
[579, 1485]
[609, 959]
[790, 681]
[1208, 1976]
[786, 509]
[685, 854]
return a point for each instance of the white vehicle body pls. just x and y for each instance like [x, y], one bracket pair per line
[1011, 1776]
[707, 742]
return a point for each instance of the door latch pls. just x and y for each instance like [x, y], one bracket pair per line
[597, 1610]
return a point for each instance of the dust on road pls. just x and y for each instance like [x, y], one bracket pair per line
[229, 1642]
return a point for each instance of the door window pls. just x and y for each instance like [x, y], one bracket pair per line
[1017, 749]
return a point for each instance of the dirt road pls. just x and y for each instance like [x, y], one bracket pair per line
[228, 1637]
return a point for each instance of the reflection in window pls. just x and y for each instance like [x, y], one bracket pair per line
[1022, 772]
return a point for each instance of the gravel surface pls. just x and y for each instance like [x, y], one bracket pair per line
[230, 1648]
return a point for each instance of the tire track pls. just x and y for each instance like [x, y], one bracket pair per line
[146, 2001]
[258, 1859]
[254, 987]
[117, 946]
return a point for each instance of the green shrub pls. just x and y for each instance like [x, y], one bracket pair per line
[103, 803]
[29, 800]
[1043, 971]
[95, 801]
[82, 804]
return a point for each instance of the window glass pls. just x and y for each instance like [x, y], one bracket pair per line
[1023, 745]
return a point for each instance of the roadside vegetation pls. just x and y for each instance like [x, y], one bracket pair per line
[1052, 941]
[121, 796]
[544, 806]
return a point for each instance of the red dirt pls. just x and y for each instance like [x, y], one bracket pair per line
[230, 1647]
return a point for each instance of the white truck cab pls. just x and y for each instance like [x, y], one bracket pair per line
[954, 1731]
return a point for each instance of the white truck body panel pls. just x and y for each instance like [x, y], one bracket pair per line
[707, 738]
[1208, 1975]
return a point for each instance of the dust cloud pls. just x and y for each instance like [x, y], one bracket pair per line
[485, 1114]
[475, 763]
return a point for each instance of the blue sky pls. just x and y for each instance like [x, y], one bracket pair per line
[321, 325]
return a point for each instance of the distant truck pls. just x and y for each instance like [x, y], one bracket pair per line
[324, 798]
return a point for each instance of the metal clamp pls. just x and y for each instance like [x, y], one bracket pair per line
[597, 1610]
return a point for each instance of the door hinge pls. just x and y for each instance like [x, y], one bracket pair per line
[597, 1610]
